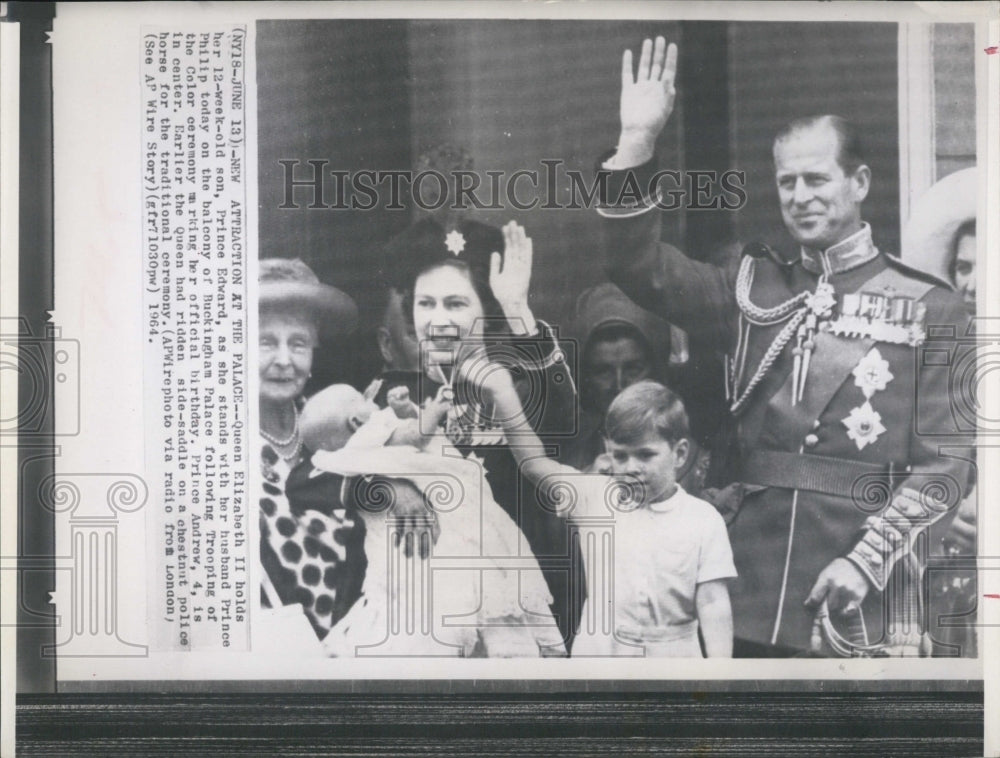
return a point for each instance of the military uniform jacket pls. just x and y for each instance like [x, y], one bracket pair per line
[847, 466]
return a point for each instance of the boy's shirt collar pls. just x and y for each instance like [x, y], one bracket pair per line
[663, 506]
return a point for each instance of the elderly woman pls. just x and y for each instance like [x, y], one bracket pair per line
[306, 554]
[464, 296]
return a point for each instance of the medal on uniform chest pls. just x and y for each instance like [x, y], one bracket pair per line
[819, 306]
[871, 375]
[880, 316]
[864, 425]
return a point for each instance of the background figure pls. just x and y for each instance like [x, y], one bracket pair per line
[397, 340]
[393, 336]
[619, 344]
[940, 237]
[310, 556]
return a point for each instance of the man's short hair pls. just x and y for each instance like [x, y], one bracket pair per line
[644, 407]
[850, 151]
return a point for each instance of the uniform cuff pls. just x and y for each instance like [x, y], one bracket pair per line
[890, 536]
[627, 192]
[541, 350]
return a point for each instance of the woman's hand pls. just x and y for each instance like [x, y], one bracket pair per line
[647, 100]
[510, 278]
[417, 526]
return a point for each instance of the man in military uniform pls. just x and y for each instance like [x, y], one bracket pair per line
[838, 402]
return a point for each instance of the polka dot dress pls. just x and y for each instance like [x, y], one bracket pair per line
[304, 556]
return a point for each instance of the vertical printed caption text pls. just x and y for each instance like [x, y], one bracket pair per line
[195, 354]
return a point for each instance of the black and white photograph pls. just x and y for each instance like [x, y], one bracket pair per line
[724, 326]
[540, 349]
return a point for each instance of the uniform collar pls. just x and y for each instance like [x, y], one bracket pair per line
[845, 255]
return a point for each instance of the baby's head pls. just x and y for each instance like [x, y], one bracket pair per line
[332, 415]
[647, 438]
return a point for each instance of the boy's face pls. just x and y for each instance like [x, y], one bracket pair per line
[652, 461]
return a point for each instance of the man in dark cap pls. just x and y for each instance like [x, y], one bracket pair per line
[840, 408]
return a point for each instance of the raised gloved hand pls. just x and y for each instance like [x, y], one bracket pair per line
[647, 100]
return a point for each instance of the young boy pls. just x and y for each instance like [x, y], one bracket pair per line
[669, 551]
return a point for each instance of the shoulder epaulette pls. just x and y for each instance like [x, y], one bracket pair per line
[905, 268]
[760, 250]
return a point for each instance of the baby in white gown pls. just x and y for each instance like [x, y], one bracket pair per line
[476, 594]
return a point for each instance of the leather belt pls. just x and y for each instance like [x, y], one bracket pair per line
[815, 473]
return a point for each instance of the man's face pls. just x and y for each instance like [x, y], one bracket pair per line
[397, 338]
[613, 365]
[820, 204]
[965, 270]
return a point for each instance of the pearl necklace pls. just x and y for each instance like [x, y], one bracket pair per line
[289, 440]
[294, 455]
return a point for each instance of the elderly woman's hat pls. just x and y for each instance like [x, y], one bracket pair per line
[936, 217]
[288, 283]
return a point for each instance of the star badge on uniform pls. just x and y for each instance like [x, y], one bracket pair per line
[872, 373]
[864, 425]
[455, 242]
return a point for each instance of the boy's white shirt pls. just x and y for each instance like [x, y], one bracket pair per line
[662, 544]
